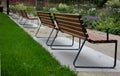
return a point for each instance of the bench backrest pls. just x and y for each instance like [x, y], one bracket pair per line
[46, 19]
[20, 13]
[24, 14]
[71, 24]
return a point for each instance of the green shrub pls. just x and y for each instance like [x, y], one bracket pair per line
[21, 6]
[53, 10]
[30, 9]
[82, 12]
[115, 30]
[100, 3]
[108, 23]
[45, 9]
[91, 11]
[63, 8]
[12, 7]
[113, 3]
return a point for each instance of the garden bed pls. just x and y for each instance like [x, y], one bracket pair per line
[22, 56]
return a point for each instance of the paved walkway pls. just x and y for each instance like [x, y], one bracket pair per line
[108, 47]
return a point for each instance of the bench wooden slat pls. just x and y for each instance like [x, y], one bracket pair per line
[71, 24]
[24, 14]
[68, 19]
[71, 27]
[43, 12]
[39, 14]
[72, 31]
[48, 23]
[43, 15]
[67, 25]
[68, 15]
[73, 34]
[46, 19]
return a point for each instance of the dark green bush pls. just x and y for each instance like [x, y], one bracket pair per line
[115, 30]
[101, 3]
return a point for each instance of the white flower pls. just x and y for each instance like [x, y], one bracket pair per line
[93, 9]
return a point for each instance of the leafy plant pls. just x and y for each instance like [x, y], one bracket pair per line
[113, 3]
[92, 12]
[53, 10]
[100, 3]
[63, 8]
[20, 6]
[108, 23]
[45, 9]
[115, 30]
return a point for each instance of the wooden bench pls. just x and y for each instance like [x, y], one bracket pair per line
[46, 20]
[74, 25]
[24, 15]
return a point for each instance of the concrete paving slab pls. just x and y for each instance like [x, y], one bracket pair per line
[30, 25]
[88, 56]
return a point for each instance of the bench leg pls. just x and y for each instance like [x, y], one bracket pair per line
[38, 31]
[50, 37]
[49, 44]
[20, 20]
[78, 54]
[61, 47]
[115, 55]
[111, 67]
[24, 22]
[43, 37]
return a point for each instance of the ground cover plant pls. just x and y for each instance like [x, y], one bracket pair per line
[22, 56]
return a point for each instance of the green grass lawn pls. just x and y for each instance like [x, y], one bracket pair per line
[22, 56]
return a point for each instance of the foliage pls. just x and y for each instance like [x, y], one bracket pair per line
[20, 6]
[53, 10]
[108, 22]
[63, 8]
[31, 10]
[12, 7]
[100, 3]
[96, 18]
[113, 3]
[110, 18]
[45, 9]
[92, 12]
[61, 1]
